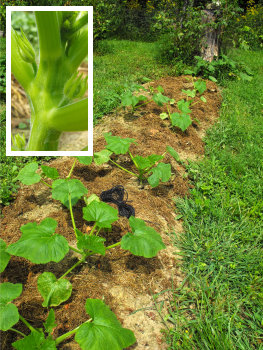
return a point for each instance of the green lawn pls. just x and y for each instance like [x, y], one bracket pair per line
[127, 62]
[220, 304]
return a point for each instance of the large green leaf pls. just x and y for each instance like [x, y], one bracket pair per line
[103, 214]
[102, 157]
[39, 244]
[35, 341]
[9, 313]
[85, 160]
[184, 106]
[189, 93]
[117, 144]
[160, 99]
[105, 331]
[50, 172]
[129, 99]
[28, 175]
[146, 162]
[200, 86]
[91, 242]
[4, 256]
[173, 153]
[161, 172]
[53, 291]
[182, 121]
[144, 241]
[62, 188]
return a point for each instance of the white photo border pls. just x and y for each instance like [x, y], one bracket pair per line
[9, 10]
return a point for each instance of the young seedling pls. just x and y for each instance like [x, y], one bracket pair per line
[133, 101]
[40, 244]
[148, 168]
[53, 88]
[182, 119]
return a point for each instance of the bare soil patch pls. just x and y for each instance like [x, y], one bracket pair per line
[125, 282]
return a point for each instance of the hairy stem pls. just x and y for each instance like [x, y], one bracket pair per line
[49, 35]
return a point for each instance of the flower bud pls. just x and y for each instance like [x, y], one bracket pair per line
[76, 86]
[25, 48]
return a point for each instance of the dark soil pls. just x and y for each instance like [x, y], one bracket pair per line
[125, 282]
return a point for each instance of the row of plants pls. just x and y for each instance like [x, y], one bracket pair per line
[40, 244]
[181, 119]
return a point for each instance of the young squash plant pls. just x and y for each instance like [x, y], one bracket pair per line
[149, 168]
[52, 86]
[40, 244]
[182, 119]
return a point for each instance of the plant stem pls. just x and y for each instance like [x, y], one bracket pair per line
[113, 245]
[71, 170]
[27, 324]
[42, 138]
[68, 334]
[93, 229]
[119, 166]
[48, 26]
[45, 183]
[73, 267]
[72, 216]
[132, 158]
[78, 50]
[143, 104]
[75, 250]
[15, 330]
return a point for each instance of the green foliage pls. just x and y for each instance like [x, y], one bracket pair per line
[220, 69]
[183, 41]
[143, 241]
[53, 291]
[66, 190]
[117, 144]
[103, 214]
[4, 256]
[35, 340]
[39, 243]
[28, 175]
[49, 172]
[9, 312]
[162, 172]
[94, 244]
[104, 331]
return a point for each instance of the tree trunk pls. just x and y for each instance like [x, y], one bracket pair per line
[210, 42]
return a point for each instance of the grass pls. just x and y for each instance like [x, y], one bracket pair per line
[122, 64]
[219, 306]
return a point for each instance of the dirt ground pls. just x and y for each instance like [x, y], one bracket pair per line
[125, 282]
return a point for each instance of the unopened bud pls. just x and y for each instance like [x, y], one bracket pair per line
[76, 86]
[25, 48]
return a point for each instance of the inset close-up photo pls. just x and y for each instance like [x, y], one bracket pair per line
[49, 81]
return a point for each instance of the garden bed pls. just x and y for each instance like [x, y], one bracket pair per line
[126, 282]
